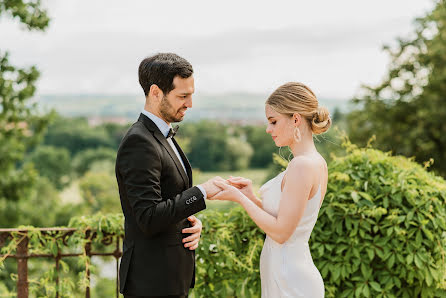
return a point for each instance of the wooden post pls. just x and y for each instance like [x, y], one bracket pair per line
[88, 253]
[22, 268]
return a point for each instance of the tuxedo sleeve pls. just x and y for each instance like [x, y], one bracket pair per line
[139, 163]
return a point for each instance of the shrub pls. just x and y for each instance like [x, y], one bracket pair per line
[381, 230]
[228, 255]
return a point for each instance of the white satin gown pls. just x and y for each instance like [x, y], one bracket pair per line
[287, 270]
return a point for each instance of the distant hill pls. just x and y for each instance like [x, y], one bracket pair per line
[237, 107]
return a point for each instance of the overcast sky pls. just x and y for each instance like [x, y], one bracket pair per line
[235, 46]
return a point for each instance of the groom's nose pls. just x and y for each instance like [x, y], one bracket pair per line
[189, 102]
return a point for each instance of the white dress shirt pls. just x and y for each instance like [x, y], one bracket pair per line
[164, 128]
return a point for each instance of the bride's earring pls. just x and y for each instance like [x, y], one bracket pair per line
[296, 134]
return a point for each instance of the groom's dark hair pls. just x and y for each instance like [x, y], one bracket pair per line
[161, 69]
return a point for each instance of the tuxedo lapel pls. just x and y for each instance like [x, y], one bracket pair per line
[185, 160]
[162, 139]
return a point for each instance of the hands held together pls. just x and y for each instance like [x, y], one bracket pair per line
[231, 189]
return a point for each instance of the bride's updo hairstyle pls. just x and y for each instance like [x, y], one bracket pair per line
[295, 97]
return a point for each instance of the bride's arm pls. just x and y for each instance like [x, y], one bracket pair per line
[245, 187]
[255, 200]
[292, 205]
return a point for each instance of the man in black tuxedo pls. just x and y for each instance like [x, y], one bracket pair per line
[155, 186]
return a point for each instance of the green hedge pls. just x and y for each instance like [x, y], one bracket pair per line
[381, 232]
[382, 229]
[228, 256]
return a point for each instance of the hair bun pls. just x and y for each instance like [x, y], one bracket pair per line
[321, 121]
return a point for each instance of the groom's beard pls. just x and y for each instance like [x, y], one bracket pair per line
[169, 113]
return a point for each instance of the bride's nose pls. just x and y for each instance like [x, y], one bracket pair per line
[268, 129]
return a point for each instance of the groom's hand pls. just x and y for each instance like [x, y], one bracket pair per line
[210, 188]
[191, 241]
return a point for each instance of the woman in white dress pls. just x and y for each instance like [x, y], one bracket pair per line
[290, 202]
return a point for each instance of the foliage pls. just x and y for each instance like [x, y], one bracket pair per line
[214, 147]
[263, 146]
[53, 163]
[20, 126]
[329, 144]
[43, 208]
[228, 256]
[105, 288]
[95, 229]
[100, 193]
[84, 160]
[279, 165]
[116, 132]
[381, 230]
[30, 13]
[76, 135]
[407, 110]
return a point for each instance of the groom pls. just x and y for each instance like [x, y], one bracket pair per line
[155, 186]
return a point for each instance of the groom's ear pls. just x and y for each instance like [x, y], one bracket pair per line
[155, 93]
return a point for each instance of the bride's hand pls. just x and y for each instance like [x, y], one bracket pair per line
[227, 193]
[243, 184]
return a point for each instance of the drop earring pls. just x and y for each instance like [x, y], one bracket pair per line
[297, 135]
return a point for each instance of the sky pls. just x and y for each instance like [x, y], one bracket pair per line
[95, 47]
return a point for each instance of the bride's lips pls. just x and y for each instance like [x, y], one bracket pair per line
[274, 138]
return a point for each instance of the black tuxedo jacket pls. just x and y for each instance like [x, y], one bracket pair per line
[156, 198]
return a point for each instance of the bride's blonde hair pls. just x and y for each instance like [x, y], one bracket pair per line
[295, 97]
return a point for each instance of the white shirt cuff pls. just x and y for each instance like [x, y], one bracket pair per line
[203, 191]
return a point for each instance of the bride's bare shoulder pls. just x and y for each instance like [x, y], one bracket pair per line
[306, 164]
[301, 163]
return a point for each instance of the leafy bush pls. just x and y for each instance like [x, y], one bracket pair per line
[228, 255]
[381, 230]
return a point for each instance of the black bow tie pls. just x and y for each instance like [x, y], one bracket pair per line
[172, 132]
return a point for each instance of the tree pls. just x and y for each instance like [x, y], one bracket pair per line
[84, 160]
[20, 125]
[76, 135]
[214, 148]
[407, 111]
[52, 163]
[100, 193]
[263, 146]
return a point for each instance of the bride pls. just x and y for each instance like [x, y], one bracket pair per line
[290, 202]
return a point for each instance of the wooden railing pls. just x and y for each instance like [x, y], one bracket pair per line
[22, 254]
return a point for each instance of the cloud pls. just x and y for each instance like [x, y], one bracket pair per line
[95, 47]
